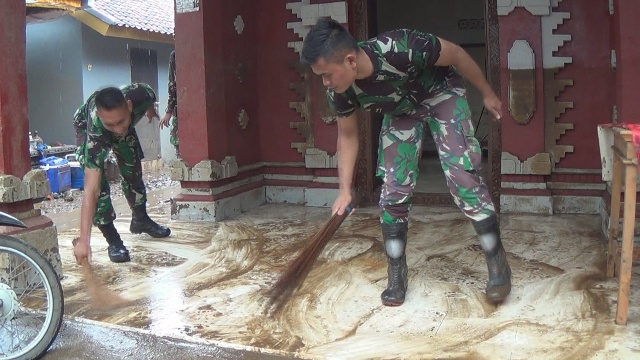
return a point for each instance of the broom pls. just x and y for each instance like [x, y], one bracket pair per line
[102, 298]
[297, 272]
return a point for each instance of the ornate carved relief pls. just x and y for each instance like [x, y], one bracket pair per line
[543, 163]
[535, 7]
[297, 26]
[318, 159]
[308, 15]
[34, 185]
[553, 87]
[551, 42]
[522, 82]
[243, 119]
[205, 170]
[538, 164]
[238, 24]
[553, 110]
[304, 127]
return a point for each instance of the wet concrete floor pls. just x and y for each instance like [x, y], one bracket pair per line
[81, 340]
[206, 283]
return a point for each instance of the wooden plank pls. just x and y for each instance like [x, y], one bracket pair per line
[616, 189]
[628, 228]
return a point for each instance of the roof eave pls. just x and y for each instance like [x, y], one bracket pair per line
[113, 30]
[55, 4]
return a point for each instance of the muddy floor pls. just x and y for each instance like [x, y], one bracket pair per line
[82, 339]
[207, 281]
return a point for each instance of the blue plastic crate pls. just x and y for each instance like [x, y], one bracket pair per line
[53, 161]
[59, 178]
[77, 176]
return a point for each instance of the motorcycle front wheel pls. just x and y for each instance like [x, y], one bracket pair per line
[31, 301]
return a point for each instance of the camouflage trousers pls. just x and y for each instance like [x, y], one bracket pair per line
[128, 154]
[401, 138]
[173, 133]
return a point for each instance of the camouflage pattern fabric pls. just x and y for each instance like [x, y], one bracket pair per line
[95, 142]
[172, 102]
[404, 75]
[413, 93]
[128, 157]
[401, 138]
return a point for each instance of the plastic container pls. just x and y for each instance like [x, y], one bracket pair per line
[77, 175]
[53, 161]
[71, 158]
[59, 177]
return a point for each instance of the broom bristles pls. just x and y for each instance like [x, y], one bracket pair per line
[297, 272]
[102, 298]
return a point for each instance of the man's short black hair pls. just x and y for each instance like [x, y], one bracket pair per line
[110, 98]
[328, 40]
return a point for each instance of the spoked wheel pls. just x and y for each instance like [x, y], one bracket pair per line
[31, 302]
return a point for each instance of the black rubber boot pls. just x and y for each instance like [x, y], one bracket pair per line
[499, 284]
[142, 223]
[395, 242]
[118, 253]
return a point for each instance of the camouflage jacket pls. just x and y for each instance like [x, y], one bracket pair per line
[92, 139]
[404, 75]
[172, 102]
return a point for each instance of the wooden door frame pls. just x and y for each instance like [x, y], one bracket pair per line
[360, 20]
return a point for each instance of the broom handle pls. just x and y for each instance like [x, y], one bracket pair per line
[344, 215]
[338, 220]
[348, 210]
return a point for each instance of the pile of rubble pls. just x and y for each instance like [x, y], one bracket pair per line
[72, 199]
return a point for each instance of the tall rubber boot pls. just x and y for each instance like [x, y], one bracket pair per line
[142, 223]
[395, 242]
[118, 253]
[499, 284]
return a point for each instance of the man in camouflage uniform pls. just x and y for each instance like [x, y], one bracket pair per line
[106, 122]
[172, 105]
[414, 79]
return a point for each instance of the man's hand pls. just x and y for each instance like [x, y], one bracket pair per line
[341, 203]
[81, 250]
[493, 105]
[165, 120]
[453, 55]
[152, 113]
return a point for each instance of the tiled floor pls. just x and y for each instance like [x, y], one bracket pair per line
[208, 281]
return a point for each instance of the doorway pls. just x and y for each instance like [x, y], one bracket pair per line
[144, 69]
[464, 23]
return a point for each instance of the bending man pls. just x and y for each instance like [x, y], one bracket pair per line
[106, 122]
[415, 80]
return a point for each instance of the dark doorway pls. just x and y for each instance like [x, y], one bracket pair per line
[463, 23]
[144, 67]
